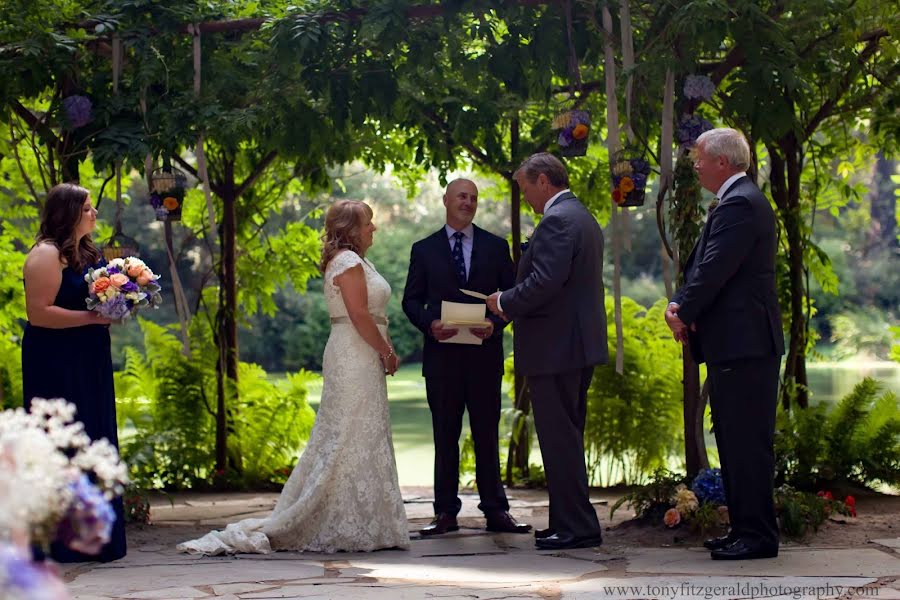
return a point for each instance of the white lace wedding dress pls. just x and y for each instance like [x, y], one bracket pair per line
[343, 493]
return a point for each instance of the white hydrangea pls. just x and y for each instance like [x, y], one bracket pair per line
[43, 452]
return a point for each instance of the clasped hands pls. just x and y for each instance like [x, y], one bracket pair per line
[390, 362]
[679, 329]
[494, 306]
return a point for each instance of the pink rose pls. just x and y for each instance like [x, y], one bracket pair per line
[145, 277]
[135, 270]
[672, 517]
[118, 280]
[100, 285]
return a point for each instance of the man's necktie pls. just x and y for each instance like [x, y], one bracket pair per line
[458, 261]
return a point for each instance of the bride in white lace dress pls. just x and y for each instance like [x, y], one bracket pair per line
[343, 493]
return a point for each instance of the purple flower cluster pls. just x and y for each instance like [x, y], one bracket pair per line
[689, 129]
[78, 110]
[155, 200]
[699, 87]
[22, 578]
[115, 308]
[88, 523]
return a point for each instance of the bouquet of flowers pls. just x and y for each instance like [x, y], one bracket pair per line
[47, 453]
[629, 178]
[122, 287]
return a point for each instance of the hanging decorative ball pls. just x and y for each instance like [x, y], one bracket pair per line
[574, 127]
[167, 189]
[77, 110]
[120, 246]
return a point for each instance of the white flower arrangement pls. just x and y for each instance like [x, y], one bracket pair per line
[42, 455]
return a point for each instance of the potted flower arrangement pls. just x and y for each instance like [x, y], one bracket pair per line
[70, 481]
[167, 189]
[574, 127]
[629, 180]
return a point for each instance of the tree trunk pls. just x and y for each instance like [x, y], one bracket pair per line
[227, 369]
[785, 178]
[883, 205]
[520, 445]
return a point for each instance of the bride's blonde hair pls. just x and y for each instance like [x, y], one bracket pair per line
[344, 221]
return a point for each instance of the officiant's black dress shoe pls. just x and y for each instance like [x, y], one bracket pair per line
[563, 542]
[718, 543]
[742, 549]
[541, 534]
[504, 522]
[441, 523]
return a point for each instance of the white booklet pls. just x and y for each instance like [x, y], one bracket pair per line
[461, 317]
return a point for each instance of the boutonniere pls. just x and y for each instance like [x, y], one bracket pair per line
[524, 245]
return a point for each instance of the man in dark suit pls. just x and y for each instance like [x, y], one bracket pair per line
[727, 311]
[461, 376]
[558, 310]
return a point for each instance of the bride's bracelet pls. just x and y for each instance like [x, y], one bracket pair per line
[388, 355]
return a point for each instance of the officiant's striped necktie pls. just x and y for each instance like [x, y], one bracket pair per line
[458, 261]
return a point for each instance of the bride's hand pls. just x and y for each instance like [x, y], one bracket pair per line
[391, 364]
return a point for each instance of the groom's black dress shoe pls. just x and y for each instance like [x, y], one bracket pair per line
[719, 542]
[541, 534]
[743, 550]
[562, 542]
[441, 523]
[504, 522]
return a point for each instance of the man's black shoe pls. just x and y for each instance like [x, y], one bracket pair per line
[564, 542]
[718, 543]
[743, 550]
[540, 534]
[441, 524]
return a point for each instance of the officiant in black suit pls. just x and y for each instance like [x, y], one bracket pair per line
[461, 377]
[727, 310]
[557, 306]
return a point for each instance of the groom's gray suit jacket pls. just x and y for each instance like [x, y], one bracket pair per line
[557, 304]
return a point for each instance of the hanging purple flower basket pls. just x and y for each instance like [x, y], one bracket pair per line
[574, 128]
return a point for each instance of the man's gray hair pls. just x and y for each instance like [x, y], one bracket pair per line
[547, 164]
[727, 142]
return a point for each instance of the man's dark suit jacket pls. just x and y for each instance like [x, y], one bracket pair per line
[729, 289]
[558, 301]
[432, 279]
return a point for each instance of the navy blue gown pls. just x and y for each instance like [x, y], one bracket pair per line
[75, 363]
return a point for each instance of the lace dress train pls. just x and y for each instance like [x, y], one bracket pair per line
[343, 494]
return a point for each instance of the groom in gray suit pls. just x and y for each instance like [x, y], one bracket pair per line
[558, 311]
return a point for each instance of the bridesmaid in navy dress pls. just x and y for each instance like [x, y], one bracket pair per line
[65, 349]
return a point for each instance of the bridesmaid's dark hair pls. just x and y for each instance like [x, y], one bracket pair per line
[59, 218]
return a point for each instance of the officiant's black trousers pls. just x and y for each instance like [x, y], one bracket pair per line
[743, 395]
[448, 397]
[560, 408]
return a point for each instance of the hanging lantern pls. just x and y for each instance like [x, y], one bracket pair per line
[574, 127]
[167, 188]
[120, 245]
[629, 180]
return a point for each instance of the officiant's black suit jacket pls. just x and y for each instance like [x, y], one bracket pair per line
[432, 279]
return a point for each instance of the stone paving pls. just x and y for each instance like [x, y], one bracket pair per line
[469, 564]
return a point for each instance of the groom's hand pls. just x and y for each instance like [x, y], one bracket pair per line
[493, 306]
[440, 332]
[483, 332]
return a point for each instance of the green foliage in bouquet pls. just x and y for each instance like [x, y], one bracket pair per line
[635, 421]
[165, 402]
[856, 441]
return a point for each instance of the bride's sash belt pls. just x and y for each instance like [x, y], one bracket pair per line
[379, 320]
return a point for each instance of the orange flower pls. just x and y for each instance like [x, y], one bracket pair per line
[580, 131]
[170, 202]
[627, 184]
[118, 280]
[672, 517]
[617, 196]
[135, 270]
[101, 285]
